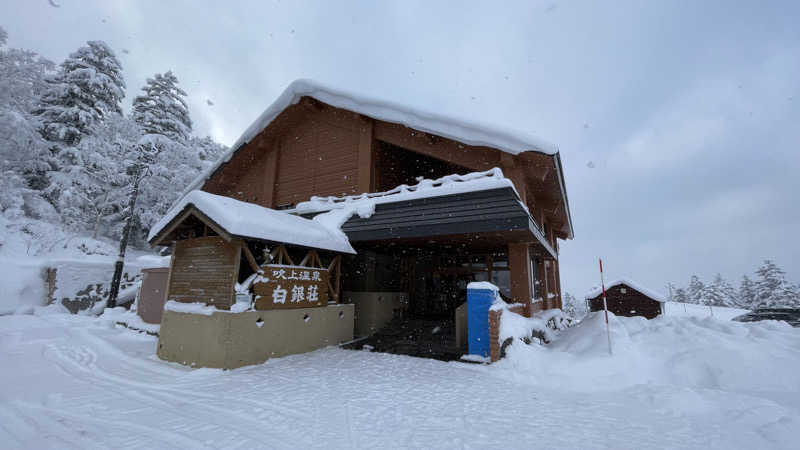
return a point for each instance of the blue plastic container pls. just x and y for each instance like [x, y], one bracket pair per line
[478, 303]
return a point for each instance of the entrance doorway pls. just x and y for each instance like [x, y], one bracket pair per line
[435, 280]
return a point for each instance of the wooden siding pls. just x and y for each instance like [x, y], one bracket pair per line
[628, 304]
[315, 149]
[317, 157]
[204, 270]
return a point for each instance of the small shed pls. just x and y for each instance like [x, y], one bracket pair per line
[627, 298]
[247, 283]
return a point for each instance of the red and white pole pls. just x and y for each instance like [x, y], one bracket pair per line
[605, 306]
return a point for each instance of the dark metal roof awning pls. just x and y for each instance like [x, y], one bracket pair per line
[489, 211]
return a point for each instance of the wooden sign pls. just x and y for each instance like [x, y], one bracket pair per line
[291, 287]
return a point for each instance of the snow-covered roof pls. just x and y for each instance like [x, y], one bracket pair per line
[426, 188]
[626, 281]
[256, 222]
[460, 130]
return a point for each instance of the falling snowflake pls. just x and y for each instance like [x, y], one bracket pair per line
[590, 164]
[209, 102]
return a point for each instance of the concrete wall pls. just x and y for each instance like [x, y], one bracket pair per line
[373, 310]
[230, 340]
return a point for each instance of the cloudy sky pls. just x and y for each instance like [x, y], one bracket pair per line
[678, 121]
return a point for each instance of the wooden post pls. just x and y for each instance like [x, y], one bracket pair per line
[519, 265]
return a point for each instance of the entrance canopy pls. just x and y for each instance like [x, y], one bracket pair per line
[480, 205]
[231, 218]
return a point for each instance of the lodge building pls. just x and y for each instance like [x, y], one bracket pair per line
[449, 202]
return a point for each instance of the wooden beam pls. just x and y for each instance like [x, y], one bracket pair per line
[250, 258]
[365, 155]
[471, 157]
[190, 210]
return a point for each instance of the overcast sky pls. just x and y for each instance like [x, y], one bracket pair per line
[678, 122]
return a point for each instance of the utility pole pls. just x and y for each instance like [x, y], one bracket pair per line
[140, 170]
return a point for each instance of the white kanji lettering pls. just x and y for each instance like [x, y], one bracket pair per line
[305, 275]
[294, 276]
[279, 274]
[298, 294]
[279, 295]
[312, 295]
[315, 276]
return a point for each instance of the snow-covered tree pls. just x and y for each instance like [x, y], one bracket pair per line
[681, 295]
[747, 293]
[161, 110]
[772, 289]
[572, 307]
[3, 36]
[720, 293]
[24, 159]
[696, 291]
[87, 88]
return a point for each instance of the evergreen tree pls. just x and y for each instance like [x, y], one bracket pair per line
[571, 306]
[720, 293]
[681, 296]
[3, 36]
[161, 110]
[747, 293]
[24, 159]
[772, 288]
[696, 291]
[87, 88]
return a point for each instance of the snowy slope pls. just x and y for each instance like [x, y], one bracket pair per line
[71, 381]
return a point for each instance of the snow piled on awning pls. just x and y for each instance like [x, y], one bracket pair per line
[425, 188]
[248, 220]
[460, 130]
[597, 290]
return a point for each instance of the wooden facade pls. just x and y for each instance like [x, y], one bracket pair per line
[624, 300]
[204, 270]
[314, 149]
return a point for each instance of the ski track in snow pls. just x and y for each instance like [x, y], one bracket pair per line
[76, 382]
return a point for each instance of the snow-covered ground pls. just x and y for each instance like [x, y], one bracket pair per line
[673, 382]
[28, 246]
[692, 310]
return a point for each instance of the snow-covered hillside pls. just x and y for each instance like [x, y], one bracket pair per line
[673, 382]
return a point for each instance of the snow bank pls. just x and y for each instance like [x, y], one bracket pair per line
[692, 310]
[130, 319]
[253, 221]
[460, 130]
[543, 326]
[190, 308]
[23, 285]
[205, 310]
[425, 188]
[681, 352]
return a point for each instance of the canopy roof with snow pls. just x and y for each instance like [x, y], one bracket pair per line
[233, 218]
[460, 130]
[631, 284]
[426, 188]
